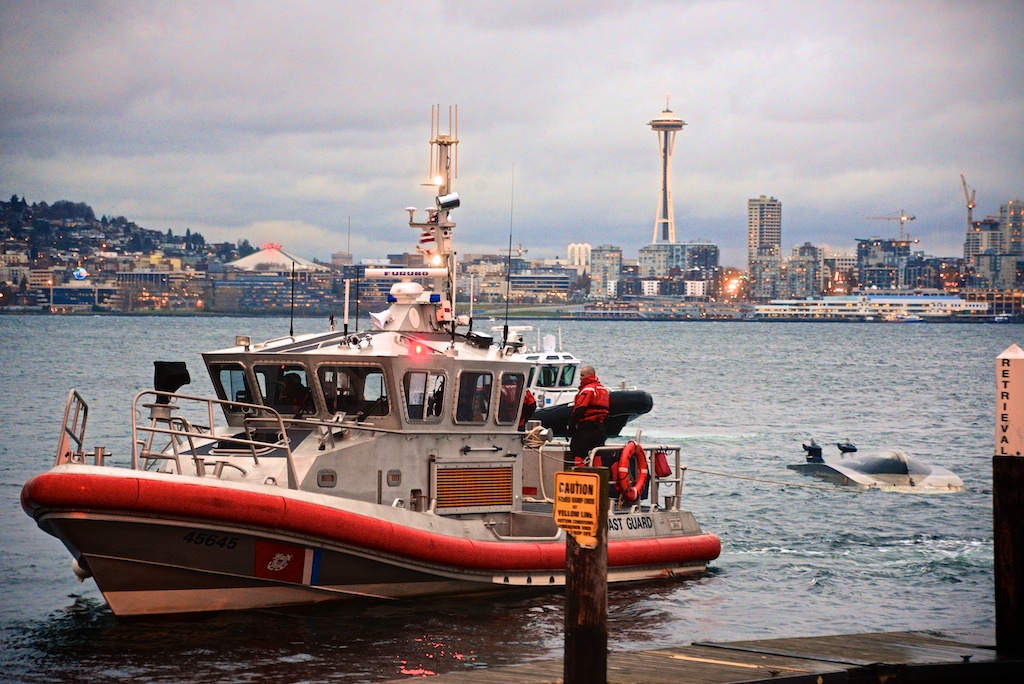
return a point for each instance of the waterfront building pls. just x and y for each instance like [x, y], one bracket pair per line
[665, 125]
[541, 284]
[79, 296]
[764, 227]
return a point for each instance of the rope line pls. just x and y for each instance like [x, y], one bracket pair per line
[778, 482]
[534, 442]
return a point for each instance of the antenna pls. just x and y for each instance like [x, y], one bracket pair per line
[508, 266]
[291, 325]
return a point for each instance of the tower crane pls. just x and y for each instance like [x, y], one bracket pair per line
[969, 196]
[902, 218]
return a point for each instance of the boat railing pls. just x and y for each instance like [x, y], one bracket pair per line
[185, 437]
[675, 477]
[76, 413]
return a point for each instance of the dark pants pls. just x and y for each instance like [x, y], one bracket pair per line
[588, 435]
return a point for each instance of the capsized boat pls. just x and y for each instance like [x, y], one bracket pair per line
[553, 381]
[890, 469]
[333, 466]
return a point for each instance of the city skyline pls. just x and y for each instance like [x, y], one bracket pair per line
[197, 117]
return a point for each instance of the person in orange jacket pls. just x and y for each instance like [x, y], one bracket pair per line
[529, 406]
[586, 422]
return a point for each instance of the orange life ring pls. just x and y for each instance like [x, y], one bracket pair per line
[630, 491]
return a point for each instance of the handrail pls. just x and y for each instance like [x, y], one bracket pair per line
[676, 478]
[76, 409]
[180, 430]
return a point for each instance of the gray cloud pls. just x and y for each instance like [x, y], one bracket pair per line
[281, 121]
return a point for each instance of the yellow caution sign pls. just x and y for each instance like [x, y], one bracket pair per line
[577, 506]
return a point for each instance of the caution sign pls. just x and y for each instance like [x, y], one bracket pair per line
[577, 506]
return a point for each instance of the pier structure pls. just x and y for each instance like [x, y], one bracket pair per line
[666, 125]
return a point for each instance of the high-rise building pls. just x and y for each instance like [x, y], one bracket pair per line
[984, 236]
[579, 257]
[1011, 225]
[605, 271]
[666, 125]
[764, 227]
[882, 263]
[658, 261]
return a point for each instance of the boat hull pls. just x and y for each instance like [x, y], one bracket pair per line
[164, 545]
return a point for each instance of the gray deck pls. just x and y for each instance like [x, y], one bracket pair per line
[878, 657]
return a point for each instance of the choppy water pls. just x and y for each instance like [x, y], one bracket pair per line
[739, 397]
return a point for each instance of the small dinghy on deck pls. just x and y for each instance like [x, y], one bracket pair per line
[890, 469]
[554, 383]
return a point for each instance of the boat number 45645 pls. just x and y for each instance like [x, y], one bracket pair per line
[205, 539]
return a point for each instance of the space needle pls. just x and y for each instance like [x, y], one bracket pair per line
[666, 125]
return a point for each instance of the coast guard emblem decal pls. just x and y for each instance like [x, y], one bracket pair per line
[286, 563]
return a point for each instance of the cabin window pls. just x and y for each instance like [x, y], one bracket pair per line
[508, 400]
[354, 390]
[230, 383]
[424, 394]
[548, 376]
[568, 375]
[285, 388]
[474, 403]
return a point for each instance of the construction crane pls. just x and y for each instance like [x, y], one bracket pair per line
[969, 196]
[902, 218]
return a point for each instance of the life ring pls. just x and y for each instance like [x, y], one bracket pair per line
[630, 491]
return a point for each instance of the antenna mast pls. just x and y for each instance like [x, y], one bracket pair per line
[508, 262]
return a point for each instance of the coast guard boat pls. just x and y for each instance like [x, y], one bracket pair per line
[336, 466]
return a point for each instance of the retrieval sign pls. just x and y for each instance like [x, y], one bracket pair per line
[577, 500]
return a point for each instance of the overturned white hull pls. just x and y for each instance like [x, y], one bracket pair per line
[890, 470]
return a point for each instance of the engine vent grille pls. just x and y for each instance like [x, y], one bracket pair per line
[473, 489]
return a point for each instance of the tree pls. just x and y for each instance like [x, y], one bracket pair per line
[245, 249]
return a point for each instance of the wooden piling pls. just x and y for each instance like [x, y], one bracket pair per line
[586, 599]
[1008, 502]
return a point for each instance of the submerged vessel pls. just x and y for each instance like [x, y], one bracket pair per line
[384, 464]
[889, 469]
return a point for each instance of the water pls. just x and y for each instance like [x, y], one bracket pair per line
[739, 397]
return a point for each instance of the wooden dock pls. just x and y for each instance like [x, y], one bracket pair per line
[886, 657]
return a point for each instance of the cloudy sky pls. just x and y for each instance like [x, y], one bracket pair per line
[287, 121]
